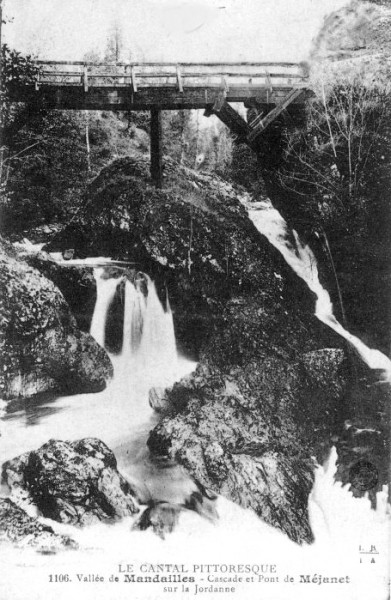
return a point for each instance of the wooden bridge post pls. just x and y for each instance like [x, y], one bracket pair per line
[156, 147]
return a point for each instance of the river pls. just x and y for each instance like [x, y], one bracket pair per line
[122, 417]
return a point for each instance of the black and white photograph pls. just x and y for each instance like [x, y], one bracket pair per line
[195, 299]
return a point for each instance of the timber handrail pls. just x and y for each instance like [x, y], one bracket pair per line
[134, 74]
[171, 64]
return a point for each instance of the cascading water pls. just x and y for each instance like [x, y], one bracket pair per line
[157, 351]
[300, 257]
[149, 346]
[134, 313]
[148, 359]
[105, 292]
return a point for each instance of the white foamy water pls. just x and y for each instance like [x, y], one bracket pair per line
[157, 352]
[122, 418]
[300, 257]
[341, 524]
[134, 314]
[105, 292]
[92, 261]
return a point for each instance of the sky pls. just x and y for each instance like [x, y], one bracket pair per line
[163, 30]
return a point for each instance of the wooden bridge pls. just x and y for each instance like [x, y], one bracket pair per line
[270, 88]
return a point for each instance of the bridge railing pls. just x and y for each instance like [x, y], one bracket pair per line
[171, 75]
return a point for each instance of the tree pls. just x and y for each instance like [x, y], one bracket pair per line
[114, 45]
[16, 70]
[333, 166]
[19, 70]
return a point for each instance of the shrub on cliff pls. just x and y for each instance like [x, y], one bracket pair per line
[337, 170]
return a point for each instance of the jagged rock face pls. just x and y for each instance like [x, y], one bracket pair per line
[77, 285]
[75, 483]
[240, 424]
[18, 527]
[41, 346]
[249, 432]
[353, 29]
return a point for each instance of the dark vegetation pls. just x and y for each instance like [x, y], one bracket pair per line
[337, 182]
[48, 163]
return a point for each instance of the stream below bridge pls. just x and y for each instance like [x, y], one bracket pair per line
[122, 418]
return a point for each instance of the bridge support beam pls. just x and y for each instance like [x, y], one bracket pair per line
[156, 147]
[250, 133]
[259, 124]
[231, 119]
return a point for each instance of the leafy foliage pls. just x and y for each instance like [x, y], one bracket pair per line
[51, 155]
[17, 69]
[49, 163]
[336, 170]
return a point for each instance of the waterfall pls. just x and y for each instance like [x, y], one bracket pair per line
[134, 313]
[300, 257]
[105, 292]
[157, 353]
[149, 345]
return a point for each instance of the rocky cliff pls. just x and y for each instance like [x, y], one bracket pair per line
[266, 393]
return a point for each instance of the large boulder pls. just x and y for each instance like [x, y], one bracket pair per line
[41, 345]
[17, 527]
[72, 482]
[249, 432]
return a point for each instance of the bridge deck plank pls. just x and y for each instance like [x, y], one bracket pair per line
[63, 96]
